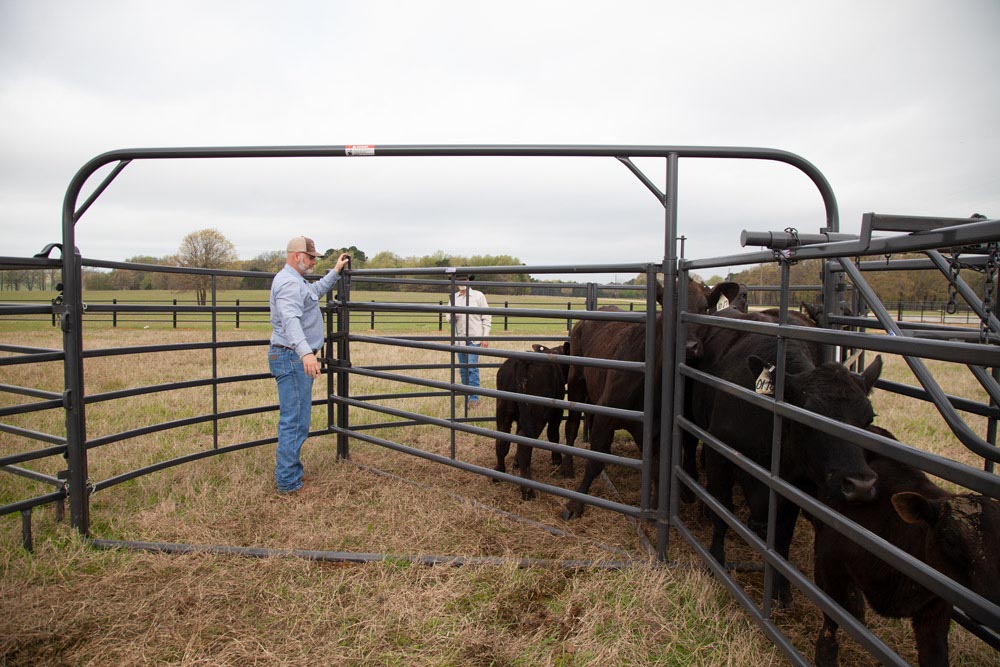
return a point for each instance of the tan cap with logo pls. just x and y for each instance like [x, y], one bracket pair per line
[303, 244]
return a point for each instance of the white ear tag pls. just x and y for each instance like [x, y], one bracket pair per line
[765, 383]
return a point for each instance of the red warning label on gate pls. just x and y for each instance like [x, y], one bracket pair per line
[359, 149]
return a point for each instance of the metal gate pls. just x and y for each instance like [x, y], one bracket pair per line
[847, 332]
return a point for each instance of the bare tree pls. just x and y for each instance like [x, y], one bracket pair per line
[205, 249]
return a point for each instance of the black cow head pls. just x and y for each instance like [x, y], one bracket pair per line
[836, 467]
[558, 349]
[703, 301]
[735, 293]
[963, 537]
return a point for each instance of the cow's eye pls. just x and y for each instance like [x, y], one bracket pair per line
[952, 545]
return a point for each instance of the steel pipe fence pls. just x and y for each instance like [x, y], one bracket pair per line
[70, 311]
[453, 390]
[904, 340]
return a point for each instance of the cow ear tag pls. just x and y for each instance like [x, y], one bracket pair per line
[765, 382]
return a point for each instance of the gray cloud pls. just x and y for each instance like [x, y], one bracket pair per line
[895, 102]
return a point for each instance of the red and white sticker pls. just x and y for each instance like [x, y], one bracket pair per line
[359, 149]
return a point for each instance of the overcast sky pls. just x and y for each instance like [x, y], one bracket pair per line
[897, 102]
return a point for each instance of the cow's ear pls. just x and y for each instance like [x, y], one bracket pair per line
[659, 293]
[756, 364]
[914, 508]
[693, 351]
[565, 347]
[871, 374]
[537, 348]
[730, 290]
[815, 311]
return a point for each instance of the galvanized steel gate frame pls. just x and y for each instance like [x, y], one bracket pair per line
[836, 251]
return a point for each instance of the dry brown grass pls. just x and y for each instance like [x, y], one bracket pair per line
[69, 604]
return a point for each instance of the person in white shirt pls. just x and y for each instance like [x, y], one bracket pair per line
[473, 327]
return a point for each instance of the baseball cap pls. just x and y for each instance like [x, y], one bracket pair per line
[303, 244]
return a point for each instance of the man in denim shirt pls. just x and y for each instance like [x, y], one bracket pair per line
[297, 338]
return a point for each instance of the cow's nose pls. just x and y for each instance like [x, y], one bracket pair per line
[859, 489]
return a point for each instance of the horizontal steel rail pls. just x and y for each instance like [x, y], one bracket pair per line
[851, 625]
[489, 433]
[621, 508]
[31, 503]
[634, 366]
[519, 339]
[33, 435]
[914, 329]
[959, 403]
[172, 347]
[178, 423]
[33, 475]
[546, 313]
[28, 391]
[988, 355]
[190, 270]
[768, 626]
[961, 235]
[589, 408]
[25, 408]
[354, 557]
[14, 263]
[32, 358]
[172, 386]
[942, 350]
[971, 602]
[188, 458]
[25, 309]
[970, 478]
[24, 457]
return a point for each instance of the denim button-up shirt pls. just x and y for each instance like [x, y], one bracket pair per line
[295, 313]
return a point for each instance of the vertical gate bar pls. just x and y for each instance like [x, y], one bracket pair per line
[72, 328]
[679, 397]
[779, 396]
[343, 362]
[649, 397]
[667, 377]
[328, 358]
[26, 540]
[215, 365]
[451, 341]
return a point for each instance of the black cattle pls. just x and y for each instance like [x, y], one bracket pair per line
[717, 341]
[535, 378]
[816, 462]
[621, 341]
[958, 535]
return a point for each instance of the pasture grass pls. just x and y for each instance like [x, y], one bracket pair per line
[67, 603]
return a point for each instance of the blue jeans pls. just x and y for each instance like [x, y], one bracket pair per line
[294, 415]
[470, 376]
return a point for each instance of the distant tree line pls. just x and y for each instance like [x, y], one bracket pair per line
[208, 248]
[29, 279]
[928, 286]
